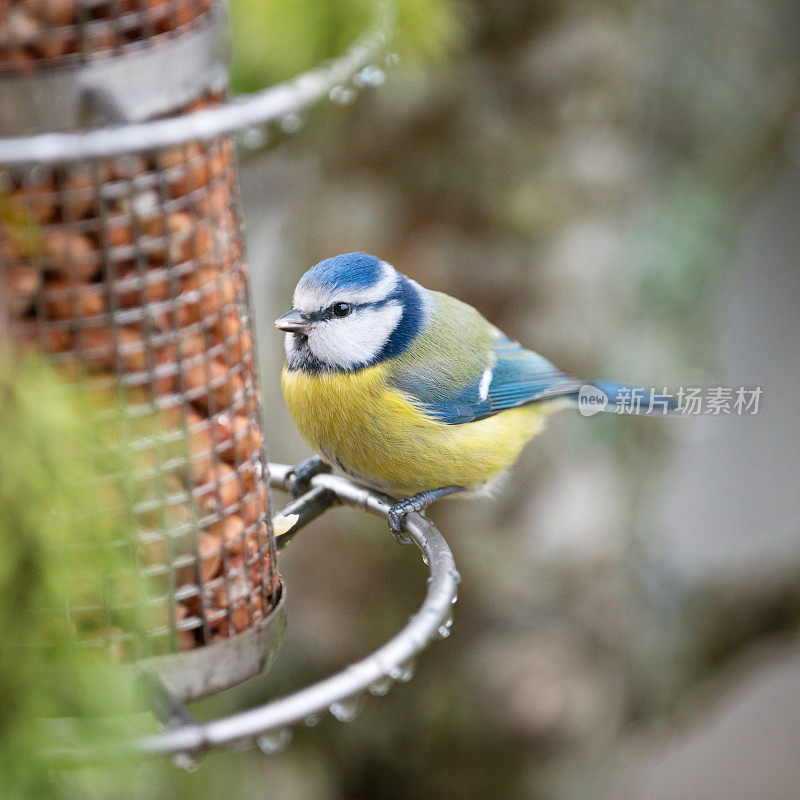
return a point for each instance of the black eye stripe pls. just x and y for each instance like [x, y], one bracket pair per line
[327, 313]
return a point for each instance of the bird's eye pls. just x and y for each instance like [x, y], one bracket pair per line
[341, 309]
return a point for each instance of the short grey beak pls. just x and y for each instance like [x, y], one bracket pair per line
[293, 321]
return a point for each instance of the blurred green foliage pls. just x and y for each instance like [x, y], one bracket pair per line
[59, 528]
[279, 39]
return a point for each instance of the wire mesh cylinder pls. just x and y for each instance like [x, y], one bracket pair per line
[36, 34]
[68, 64]
[128, 273]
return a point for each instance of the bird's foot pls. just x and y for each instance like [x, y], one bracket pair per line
[298, 477]
[416, 503]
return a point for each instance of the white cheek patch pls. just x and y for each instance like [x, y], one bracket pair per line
[348, 342]
[314, 298]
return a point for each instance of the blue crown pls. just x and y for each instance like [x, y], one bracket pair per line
[347, 271]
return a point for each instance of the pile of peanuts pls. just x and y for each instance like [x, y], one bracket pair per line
[127, 272]
[37, 31]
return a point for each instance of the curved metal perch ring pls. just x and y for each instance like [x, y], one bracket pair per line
[373, 673]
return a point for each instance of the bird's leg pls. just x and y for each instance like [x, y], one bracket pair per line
[417, 502]
[298, 477]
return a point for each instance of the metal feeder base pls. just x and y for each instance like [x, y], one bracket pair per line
[212, 668]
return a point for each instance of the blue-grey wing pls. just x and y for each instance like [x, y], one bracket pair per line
[512, 377]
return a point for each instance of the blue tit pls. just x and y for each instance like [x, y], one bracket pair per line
[408, 390]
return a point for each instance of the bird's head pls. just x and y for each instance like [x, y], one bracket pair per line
[350, 312]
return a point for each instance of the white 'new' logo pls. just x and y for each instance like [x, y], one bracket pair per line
[591, 400]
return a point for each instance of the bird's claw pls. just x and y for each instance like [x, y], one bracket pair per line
[397, 515]
[299, 476]
[417, 502]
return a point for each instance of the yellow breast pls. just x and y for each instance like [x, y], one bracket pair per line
[380, 437]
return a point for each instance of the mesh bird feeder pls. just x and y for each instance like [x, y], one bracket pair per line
[127, 272]
[121, 260]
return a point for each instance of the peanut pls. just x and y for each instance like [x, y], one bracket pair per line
[210, 555]
[240, 618]
[247, 440]
[97, 346]
[200, 445]
[132, 349]
[216, 200]
[119, 233]
[193, 173]
[58, 12]
[235, 336]
[229, 490]
[183, 241]
[22, 283]
[38, 197]
[222, 389]
[70, 254]
[64, 300]
[80, 191]
[208, 292]
[190, 344]
[254, 504]
[231, 531]
[55, 44]
[133, 289]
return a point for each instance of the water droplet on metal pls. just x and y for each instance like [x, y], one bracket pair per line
[446, 625]
[456, 575]
[273, 742]
[371, 75]
[186, 762]
[400, 537]
[403, 672]
[291, 123]
[313, 719]
[454, 599]
[381, 686]
[347, 709]
[342, 95]
[425, 559]
[255, 138]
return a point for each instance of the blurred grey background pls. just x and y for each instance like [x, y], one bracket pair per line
[617, 185]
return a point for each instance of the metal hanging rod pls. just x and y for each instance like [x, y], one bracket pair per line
[243, 112]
